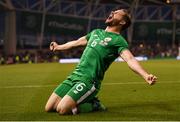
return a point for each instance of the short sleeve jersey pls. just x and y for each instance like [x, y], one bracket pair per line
[101, 50]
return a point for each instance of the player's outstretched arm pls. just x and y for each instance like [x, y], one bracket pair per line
[80, 42]
[127, 56]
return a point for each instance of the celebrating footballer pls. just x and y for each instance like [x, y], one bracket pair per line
[78, 92]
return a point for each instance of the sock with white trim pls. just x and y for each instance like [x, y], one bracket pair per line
[74, 111]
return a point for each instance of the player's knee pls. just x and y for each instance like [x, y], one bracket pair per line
[61, 110]
[47, 108]
[65, 105]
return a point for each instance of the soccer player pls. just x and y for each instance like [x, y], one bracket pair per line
[102, 48]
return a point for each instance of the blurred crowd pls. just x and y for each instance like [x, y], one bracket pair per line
[37, 56]
[155, 51]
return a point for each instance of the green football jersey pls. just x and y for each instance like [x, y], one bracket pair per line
[101, 50]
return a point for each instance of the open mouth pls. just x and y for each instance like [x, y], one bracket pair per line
[110, 16]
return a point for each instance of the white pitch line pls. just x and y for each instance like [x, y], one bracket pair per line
[27, 86]
[127, 83]
[105, 84]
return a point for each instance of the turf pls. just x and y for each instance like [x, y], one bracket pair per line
[25, 88]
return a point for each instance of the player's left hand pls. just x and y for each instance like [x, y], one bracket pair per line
[151, 79]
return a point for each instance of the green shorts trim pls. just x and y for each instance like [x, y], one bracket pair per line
[79, 91]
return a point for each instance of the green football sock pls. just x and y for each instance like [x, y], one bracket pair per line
[85, 108]
[89, 107]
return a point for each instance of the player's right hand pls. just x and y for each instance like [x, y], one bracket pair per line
[52, 46]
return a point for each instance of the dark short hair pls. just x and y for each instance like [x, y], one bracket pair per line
[127, 19]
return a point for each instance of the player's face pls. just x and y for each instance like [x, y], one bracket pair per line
[115, 18]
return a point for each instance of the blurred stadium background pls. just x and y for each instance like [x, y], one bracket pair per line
[28, 26]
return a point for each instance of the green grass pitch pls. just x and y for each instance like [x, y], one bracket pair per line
[25, 88]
